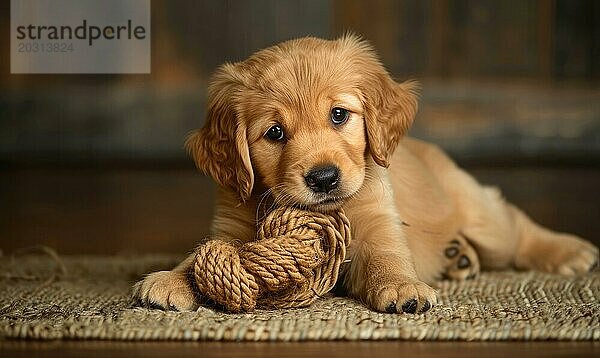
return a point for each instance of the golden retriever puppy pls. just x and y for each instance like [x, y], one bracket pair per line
[320, 124]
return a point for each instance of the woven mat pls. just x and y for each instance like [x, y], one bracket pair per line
[87, 298]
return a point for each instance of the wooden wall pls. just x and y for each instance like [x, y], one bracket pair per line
[87, 117]
[480, 38]
[553, 39]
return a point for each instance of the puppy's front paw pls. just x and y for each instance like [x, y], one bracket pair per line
[168, 290]
[402, 296]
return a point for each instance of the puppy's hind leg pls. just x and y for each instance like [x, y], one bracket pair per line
[504, 236]
[545, 250]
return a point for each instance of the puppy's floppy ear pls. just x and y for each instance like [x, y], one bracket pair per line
[390, 108]
[220, 148]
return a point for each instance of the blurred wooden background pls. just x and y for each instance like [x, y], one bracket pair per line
[510, 59]
[95, 163]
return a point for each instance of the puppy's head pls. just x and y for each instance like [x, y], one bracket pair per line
[300, 118]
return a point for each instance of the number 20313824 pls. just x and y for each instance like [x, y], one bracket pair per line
[49, 47]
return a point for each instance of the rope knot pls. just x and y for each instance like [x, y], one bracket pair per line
[295, 259]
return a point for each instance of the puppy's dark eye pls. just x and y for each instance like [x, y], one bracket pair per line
[339, 115]
[275, 133]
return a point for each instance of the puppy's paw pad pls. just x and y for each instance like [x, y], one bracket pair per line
[165, 290]
[462, 262]
[403, 297]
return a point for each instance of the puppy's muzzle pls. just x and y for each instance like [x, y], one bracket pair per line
[323, 179]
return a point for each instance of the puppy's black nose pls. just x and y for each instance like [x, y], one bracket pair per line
[323, 179]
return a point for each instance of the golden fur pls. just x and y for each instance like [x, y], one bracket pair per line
[412, 222]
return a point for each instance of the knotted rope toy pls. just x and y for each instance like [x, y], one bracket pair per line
[295, 259]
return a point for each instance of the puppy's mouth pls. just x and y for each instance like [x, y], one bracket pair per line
[328, 203]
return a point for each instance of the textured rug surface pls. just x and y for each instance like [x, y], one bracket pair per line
[88, 298]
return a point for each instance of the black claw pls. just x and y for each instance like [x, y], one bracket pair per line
[426, 307]
[391, 308]
[451, 252]
[463, 262]
[155, 306]
[410, 306]
[471, 276]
